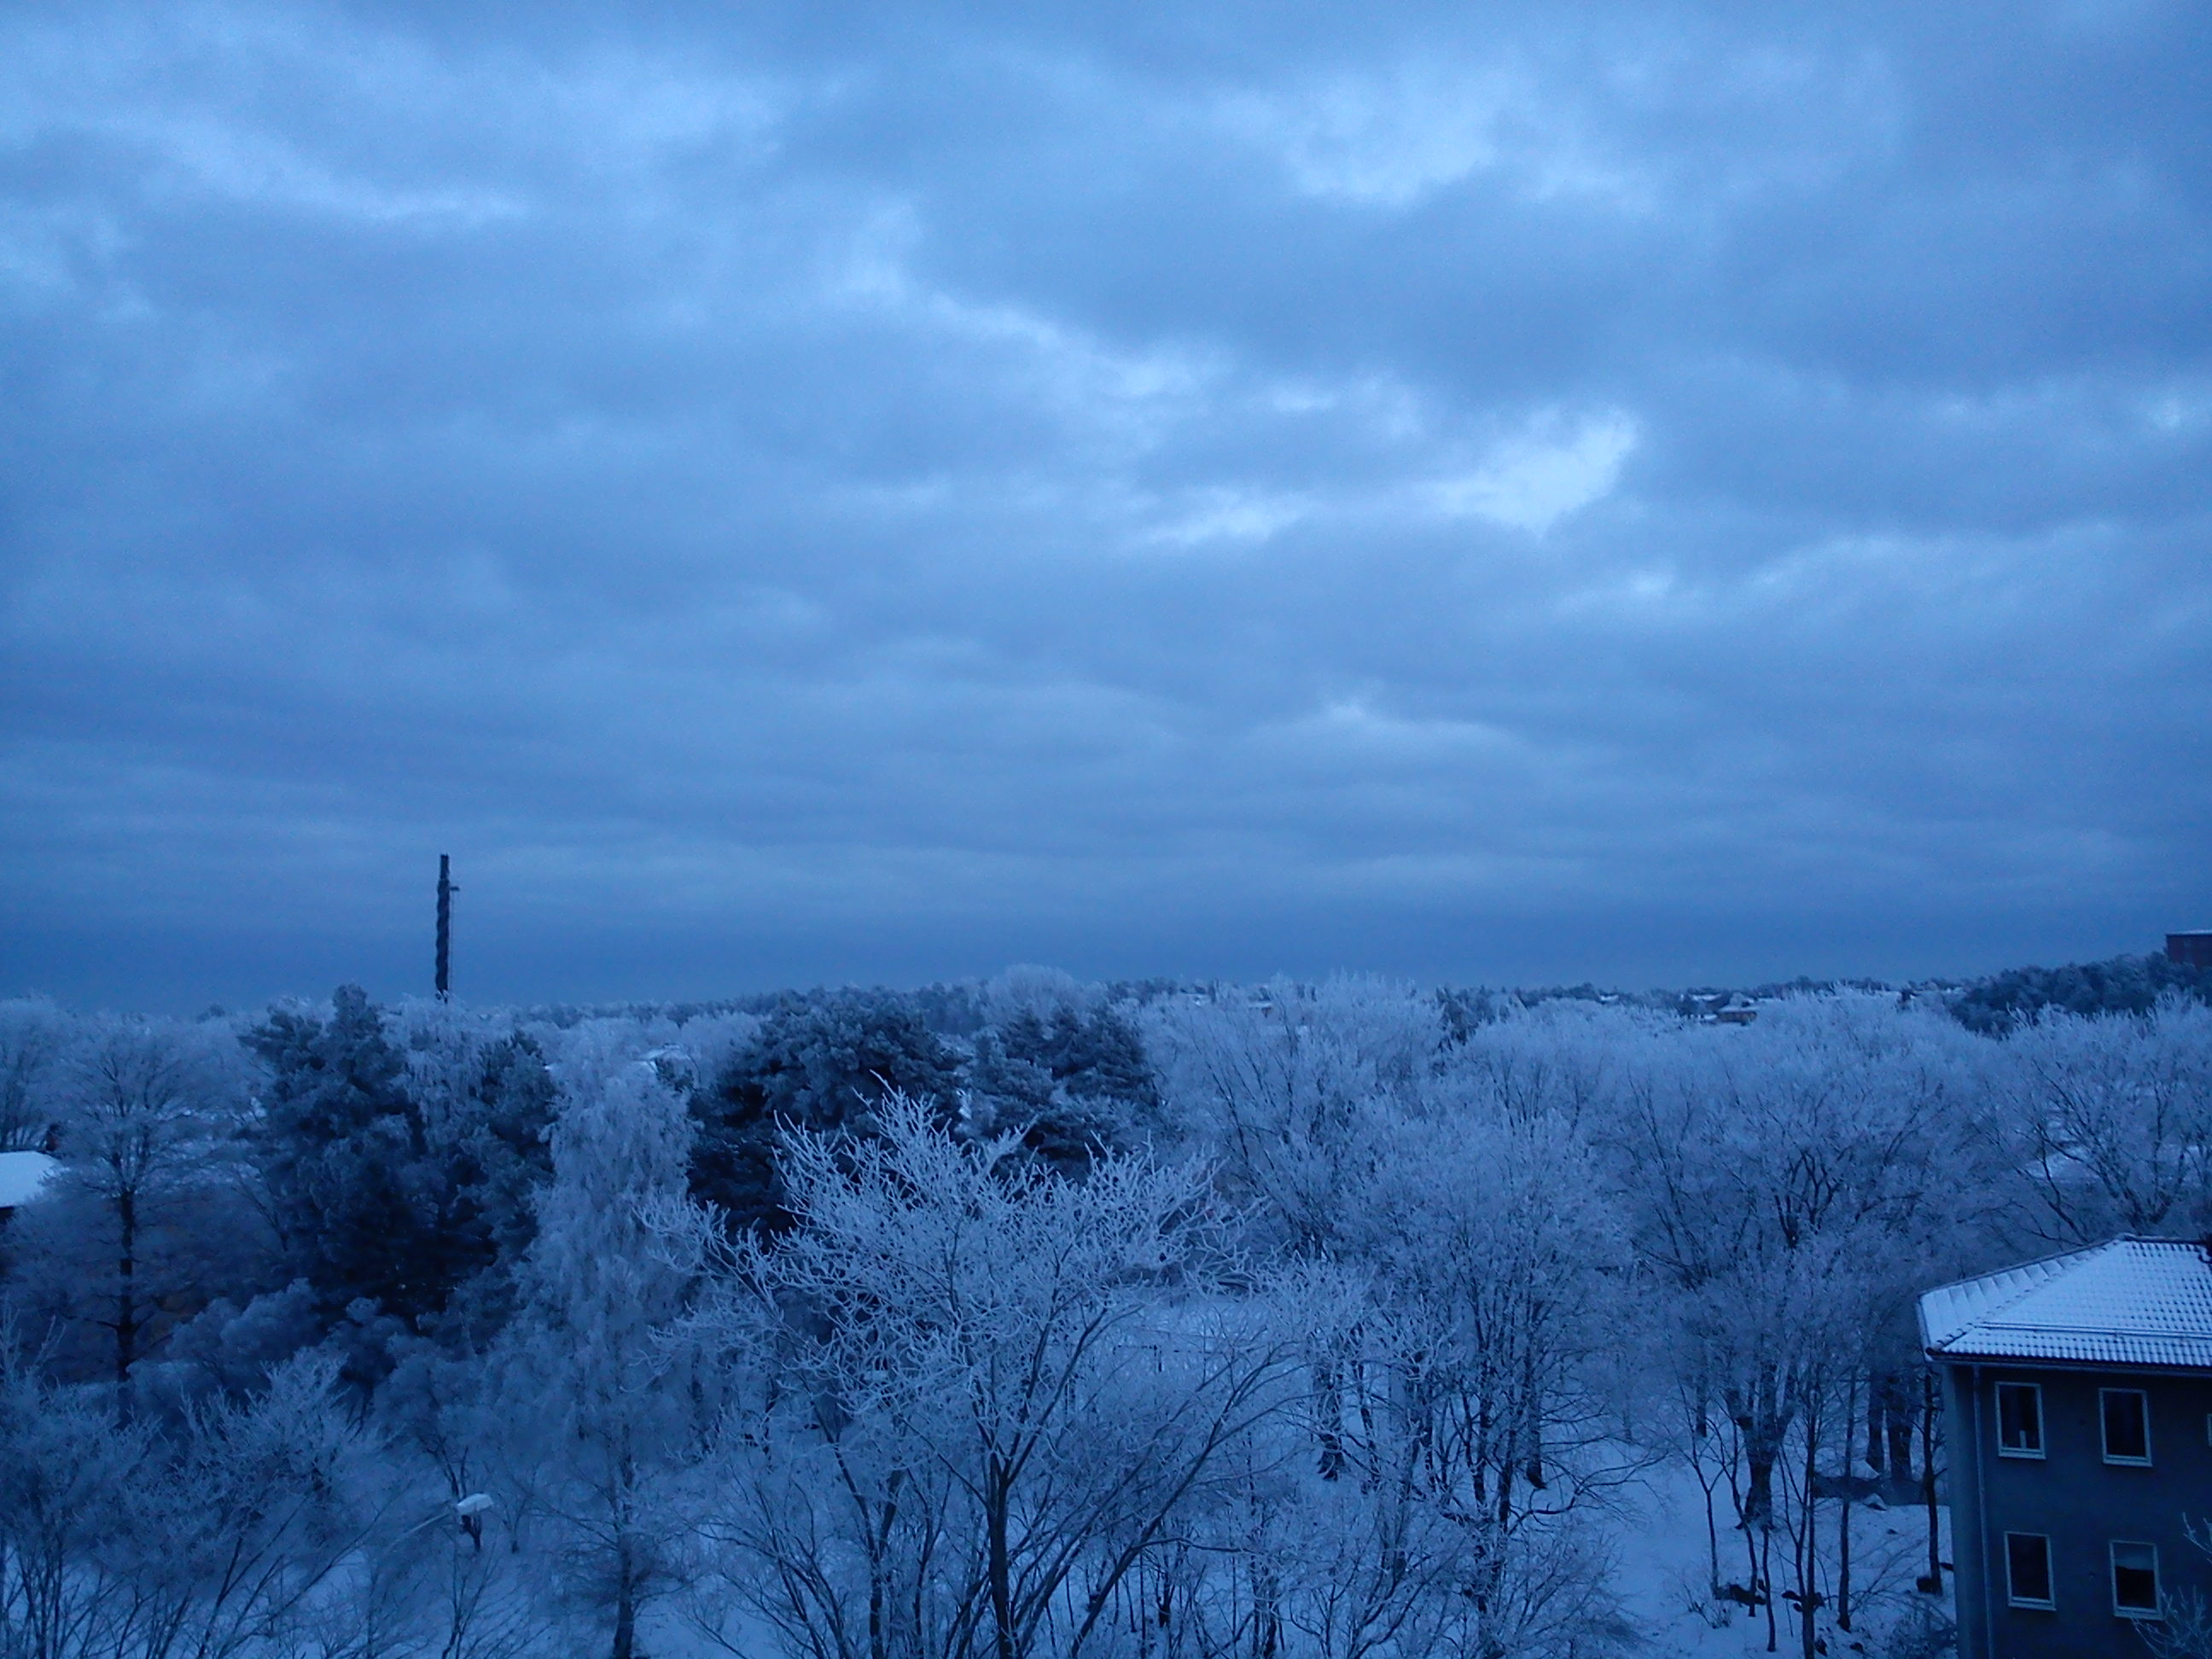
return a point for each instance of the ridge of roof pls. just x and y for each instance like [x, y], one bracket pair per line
[2131, 1300]
[2006, 1286]
[2053, 1267]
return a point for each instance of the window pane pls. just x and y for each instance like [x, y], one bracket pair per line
[2019, 1417]
[2127, 1424]
[2135, 1578]
[2028, 1565]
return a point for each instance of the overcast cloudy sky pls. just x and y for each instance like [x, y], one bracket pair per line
[808, 492]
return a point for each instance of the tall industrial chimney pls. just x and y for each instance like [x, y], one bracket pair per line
[445, 892]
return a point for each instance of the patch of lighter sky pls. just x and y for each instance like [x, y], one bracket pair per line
[53, 85]
[1354, 726]
[1227, 513]
[1075, 369]
[616, 869]
[2034, 401]
[1888, 569]
[2179, 408]
[1554, 466]
[1497, 872]
[627, 113]
[1646, 593]
[2105, 18]
[781, 615]
[616, 114]
[1390, 408]
[44, 251]
[1391, 141]
[1385, 144]
[1533, 481]
[213, 158]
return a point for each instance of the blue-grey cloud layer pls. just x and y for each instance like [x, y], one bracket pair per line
[879, 492]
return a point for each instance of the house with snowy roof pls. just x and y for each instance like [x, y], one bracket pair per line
[22, 1175]
[2078, 1413]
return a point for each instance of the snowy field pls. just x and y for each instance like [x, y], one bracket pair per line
[1660, 1574]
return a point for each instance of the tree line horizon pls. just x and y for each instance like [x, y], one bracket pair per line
[1025, 1316]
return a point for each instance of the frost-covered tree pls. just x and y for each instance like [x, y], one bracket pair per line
[1277, 1087]
[1461, 1392]
[825, 1063]
[1069, 1082]
[980, 1373]
[2112, 1117]
[397, 1156]
[995, 1390]
[33, 1032]
[149, 1198]
[215, 1541]
[67, 1474]
[338, 1133]
[607, 1403]
[1793, 1185]
[486, 1099]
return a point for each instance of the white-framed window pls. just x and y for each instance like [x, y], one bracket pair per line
[2125, 1414]
[2019, 1419]
[2135, 1580]
[2028, 1569]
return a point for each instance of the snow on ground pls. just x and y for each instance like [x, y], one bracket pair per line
[1661, 1576]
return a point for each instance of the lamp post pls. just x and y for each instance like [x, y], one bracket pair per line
[470, 1510]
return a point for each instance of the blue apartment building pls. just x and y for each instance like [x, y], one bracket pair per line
[2078, 1413]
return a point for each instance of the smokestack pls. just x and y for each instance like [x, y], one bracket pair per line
[445, 892]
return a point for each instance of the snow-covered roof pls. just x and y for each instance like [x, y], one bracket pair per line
[22, 1175]
[2130, 1302]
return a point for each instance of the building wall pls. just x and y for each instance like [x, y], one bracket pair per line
[2077, 1500]
[2190, 949]
[1962, 1446]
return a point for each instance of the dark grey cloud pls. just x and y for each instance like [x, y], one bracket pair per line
[880, 491]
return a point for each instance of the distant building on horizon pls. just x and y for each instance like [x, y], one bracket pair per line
[2078, 1410]
[2190, 949]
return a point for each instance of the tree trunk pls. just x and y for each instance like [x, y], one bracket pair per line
[1759, 1480]
[1359, 1388]
[1766, 1580]
[1751, 1582]
[1762, 1417]
[1844, 1510]
[625, 1603]
[1900, 1432]
[1928, 1479]
[999, 1500]
[1712, 1542]
[1808, 1554]
[880, 1552]
[1531, 1405]
[1844, 1566]
[126, 1300]
[1267, 1614]
[1876, 1420]
[1329, 1414]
